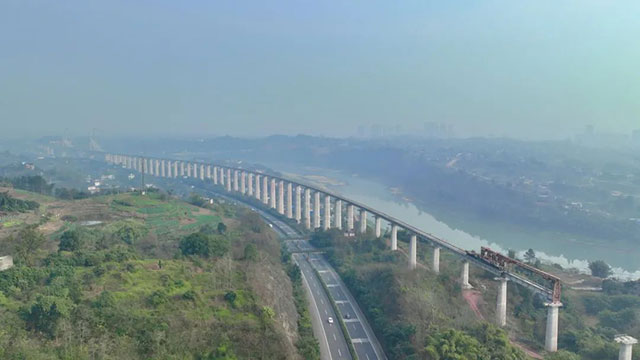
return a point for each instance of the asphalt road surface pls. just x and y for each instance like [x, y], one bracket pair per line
[333, 344]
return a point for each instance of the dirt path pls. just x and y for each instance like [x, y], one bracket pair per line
[472, 297]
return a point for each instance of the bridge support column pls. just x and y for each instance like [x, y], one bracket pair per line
[413, 249]
[189, 173]
[626, 346]
[316, 210]
[243, 183]
[194, 171]
[501, 307]
[464, 281]
[307, 209]
[378, 227]
[435, 264]
[257, 192]
[265, 190]
[163, 172]
[215, 175]
[338, 214]
[298, 204]
[281, 197]
[350, 217]
[156, 170]
[363, 221]
[327, 212]
[168, 169]
[289, 200]
[394, 237]
[201, 171]
[208, 171]
[228, 178]
[175, 169]
[250, 183]
[551, 335]
[181, 168]
[272, 194]
[235, 181]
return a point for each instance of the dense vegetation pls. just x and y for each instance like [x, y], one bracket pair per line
[416, 315]
[140, 285]
[11, 204]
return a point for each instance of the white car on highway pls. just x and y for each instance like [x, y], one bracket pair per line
[330, 320]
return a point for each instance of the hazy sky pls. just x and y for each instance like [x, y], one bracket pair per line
[527, 69]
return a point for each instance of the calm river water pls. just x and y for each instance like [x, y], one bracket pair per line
[558, 248]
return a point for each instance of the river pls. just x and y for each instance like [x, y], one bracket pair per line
[558, 248]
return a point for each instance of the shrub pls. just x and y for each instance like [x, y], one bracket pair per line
[600, 269]
[70, 240]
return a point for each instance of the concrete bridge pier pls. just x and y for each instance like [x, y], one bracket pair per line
[189, 173]
[501, 307]
[394, 237]
[181, 168]
[327, 212]
[257, 190]
[307, 209]
[363, 221]
[208, 171]
[162, 169]
[149, 166]
[289, 200]
[215, 175]
[265, 190]
[338, 214]
[194, 170]
[250, 183]
[316, 210]
[175, 169]
[551, 334]
[626, 346]
[243, 183]
[228, 178]
[350, 217]
[156, 169]
[201, 171]
[413, 249]
[435, 264]
[235, 181]
[169, 169]
[298, 204]
[378, 226]
[464, 281]
[281, 197]
[272, 194]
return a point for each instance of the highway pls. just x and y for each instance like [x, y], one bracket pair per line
[333, 344]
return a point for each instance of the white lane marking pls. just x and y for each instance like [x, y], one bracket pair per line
[322, 301]
[339, 352]
[334, 337]
[367, 355]
[325, 311]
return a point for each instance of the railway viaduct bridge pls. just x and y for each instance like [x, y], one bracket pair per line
[319, 208]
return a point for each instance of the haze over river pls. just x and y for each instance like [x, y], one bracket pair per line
[559, 248]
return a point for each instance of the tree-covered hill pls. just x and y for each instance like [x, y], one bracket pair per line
[128, 286]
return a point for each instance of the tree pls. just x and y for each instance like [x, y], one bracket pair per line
[455, 345]
[28, 242]
[222, 228]
[563, 355]
[45, 314]
[195, 244]
[530, 256]
[70, 240]
[219, 245]
[600, 269]
[250, 252]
